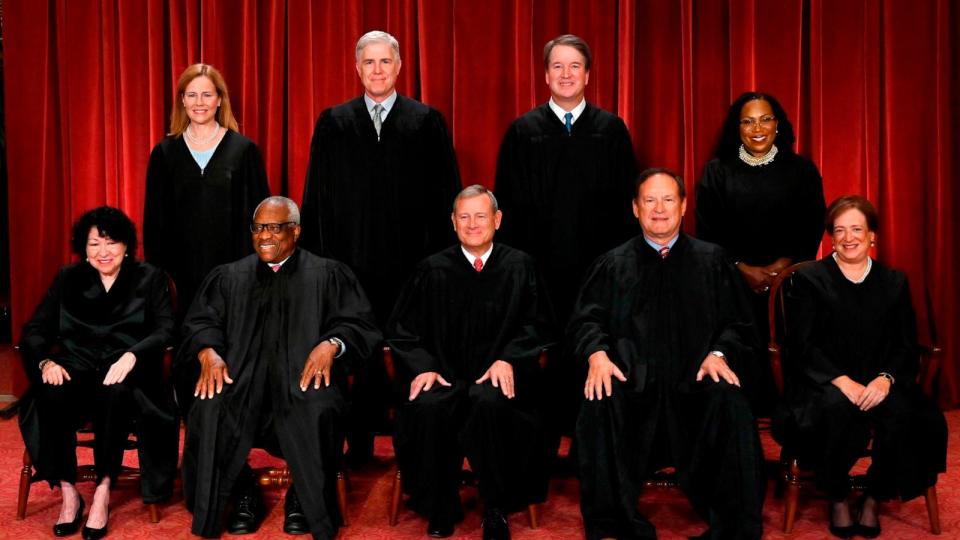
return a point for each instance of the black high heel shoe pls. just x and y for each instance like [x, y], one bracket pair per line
[96, 534]
[70, 527]
[869, 531]
[844, 531]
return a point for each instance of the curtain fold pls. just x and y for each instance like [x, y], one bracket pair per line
[870, 87]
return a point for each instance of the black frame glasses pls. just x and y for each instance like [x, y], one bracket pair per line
[274, 228]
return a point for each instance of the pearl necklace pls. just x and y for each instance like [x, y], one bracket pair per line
[754, 161]
[197, 142]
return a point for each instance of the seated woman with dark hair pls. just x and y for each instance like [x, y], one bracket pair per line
[93, 351]
[853, 360]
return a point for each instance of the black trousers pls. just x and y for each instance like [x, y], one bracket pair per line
[500, 437]
[708, 434]
[64, 409]
[909, 444]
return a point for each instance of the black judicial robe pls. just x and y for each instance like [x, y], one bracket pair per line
[657, 319]
[759, 214]
[838, 327]
[85, 328]
[379, 206]
[566, 198]
[456, 321]
[197, 219]
[264, 325]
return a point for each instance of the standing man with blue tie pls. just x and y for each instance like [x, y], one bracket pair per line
[565, 182]
[381, 177]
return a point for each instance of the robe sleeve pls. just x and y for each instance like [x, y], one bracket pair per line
[589, 329]
[445, 176]
[313, 210]
[155, 228]
[512, 176]
[351, 317]
[901, 359]
[407, 327]
[737, 337]
[711, 225]
[807, 233]
[804, 309]
[533, 331]
[161, 317]
[205, 321]
[40, 333]
[626, 225]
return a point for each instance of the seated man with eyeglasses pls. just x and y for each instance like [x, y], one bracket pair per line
[275, 334]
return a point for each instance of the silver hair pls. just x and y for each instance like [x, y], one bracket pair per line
[474, 191]
[378, 36]
[292, 208]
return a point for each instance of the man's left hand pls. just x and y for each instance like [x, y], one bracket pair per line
[716, 368]
[501, 375]
[319, 365]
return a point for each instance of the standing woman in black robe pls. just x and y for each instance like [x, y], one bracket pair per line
[853, 360]
[93, 349]
[761, 202]
[204, 181]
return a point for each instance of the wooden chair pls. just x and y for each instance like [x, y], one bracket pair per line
[792, 476]
[280, 478]
[533, 510]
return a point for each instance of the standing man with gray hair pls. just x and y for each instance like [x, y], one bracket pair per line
[382, 174]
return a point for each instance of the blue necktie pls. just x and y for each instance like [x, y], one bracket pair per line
[568, 121]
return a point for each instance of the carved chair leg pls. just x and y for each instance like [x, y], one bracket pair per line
[790, 496]
[395, 499]
[342, 496]
[154, 512]
[533, 513]
[25, 473]
[933, 509]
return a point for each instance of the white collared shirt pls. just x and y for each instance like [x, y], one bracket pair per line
[577, 111]
[387, 105]
[277, 265]
[471, 257]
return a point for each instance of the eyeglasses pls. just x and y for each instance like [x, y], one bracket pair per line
[764, 120]
[274, 228]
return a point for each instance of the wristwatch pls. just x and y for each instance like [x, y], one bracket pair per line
[888, 377]
[338, 343]
[718, 354]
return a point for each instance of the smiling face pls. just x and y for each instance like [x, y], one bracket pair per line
[104, 253]
[758, 127]
[567, 76]
[475, 222]
[659, 208]
[201, 100]
[275, 247]
[852, 236]
[378, 70]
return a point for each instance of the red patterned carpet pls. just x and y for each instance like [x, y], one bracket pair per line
[370, 492]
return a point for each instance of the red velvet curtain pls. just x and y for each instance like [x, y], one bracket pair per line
[870, 86]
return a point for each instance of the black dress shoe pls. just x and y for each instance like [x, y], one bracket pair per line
[247, 513]
[868, 531]
[840, 531]
[294, 520]
[495, 525]
[70, 527]
[95, 534]
[439, 528]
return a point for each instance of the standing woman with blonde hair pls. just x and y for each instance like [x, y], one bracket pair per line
[204, 181]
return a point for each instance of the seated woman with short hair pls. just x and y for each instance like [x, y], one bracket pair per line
[853, 359]
[93, 351]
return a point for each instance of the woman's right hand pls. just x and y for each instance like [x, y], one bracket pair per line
[757, 278]
[53, 373]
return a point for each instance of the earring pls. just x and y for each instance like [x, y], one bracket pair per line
[872, 243]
